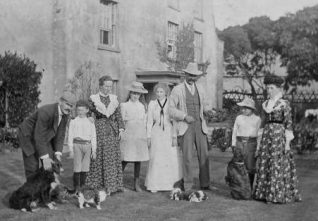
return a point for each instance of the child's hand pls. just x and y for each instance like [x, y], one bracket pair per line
[174, 142]
[71, 156]
[149, 142]
[256, 154]
[91, 119]
[94, 155]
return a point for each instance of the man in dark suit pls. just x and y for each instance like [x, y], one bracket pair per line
[41, 135]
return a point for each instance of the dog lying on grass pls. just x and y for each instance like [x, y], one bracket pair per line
[37, 190]
[191, 196]
[237, 177]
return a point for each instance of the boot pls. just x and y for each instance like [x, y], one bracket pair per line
[76, 180]
[83, 179]
[251, 176]
[136, 177]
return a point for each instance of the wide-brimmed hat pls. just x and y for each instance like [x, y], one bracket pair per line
[247, 102]
[273, 79]
[192, 68]
[69, 98]
[137, 87]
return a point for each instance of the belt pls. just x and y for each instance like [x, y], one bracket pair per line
[246, 139]
[97, 118]
[80, 141]
[274, 122]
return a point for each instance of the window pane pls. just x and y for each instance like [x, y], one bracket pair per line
[198, 47]
[104, 37]
[108, 20]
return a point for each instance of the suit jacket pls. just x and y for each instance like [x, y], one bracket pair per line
[178, 108]
[39, 132]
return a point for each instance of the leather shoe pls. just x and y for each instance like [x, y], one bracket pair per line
[208, 188]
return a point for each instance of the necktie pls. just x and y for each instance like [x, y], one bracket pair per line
[60, 134]
[162, 113]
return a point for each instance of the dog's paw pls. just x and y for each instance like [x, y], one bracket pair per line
[51, 206]
[98, 207]
[23, 210]
[35, 210]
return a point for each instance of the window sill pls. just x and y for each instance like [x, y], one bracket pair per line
[199, 19]
[108, 48]
[176, 9]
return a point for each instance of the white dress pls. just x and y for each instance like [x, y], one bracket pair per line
[164, 168]
[133, 143]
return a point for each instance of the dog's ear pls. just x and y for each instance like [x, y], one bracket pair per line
[56, 166]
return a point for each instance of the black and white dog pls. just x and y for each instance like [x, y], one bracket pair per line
[237, 177]
[37, 190]
[191, 196]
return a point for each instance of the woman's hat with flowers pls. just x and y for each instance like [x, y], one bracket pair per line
[137, 87]
[247, 102]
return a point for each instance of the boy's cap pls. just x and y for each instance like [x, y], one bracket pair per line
[82, 103]
[247, 102]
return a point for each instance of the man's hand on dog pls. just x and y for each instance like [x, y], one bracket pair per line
[47, 163]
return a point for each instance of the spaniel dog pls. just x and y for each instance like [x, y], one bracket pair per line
[37, 190]
[191, 196]
[237, 177]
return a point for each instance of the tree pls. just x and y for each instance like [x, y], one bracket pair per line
[85, 80]
[19, 89]
[179, 54]
[249, 50]
[298, 45]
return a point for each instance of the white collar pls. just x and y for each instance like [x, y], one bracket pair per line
[278, 96]
[103, 95]
[59, 110]
[189, 85]
[268, 105]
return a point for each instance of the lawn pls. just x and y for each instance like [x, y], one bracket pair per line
[157, 206]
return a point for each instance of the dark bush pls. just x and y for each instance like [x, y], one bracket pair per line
[21, 84]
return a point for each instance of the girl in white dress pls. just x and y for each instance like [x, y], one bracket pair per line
[165, 167]
[133, 143]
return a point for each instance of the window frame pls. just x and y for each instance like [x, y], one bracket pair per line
[200, 60]
[172, 38]
[112, 29]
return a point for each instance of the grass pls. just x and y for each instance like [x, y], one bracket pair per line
[131, 205]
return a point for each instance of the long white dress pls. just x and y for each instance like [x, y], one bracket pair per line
[164, 168]
[133, 143]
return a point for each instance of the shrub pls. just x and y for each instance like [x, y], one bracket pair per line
[21, 85]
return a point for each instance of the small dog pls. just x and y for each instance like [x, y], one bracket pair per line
[237, 177]
[87, 196]
[191, 196]
[37, 190]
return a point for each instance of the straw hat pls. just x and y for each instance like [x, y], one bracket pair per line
[69, 98]
[247, 102]
[137, 87]
[273, 79]
[192, 68]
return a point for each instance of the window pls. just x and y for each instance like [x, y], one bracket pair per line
[198, 49]
[171, 39]
[198, 11]
[173, 4]
[108, 24]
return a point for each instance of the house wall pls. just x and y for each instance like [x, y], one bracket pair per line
[62, 35]
[26, 27]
